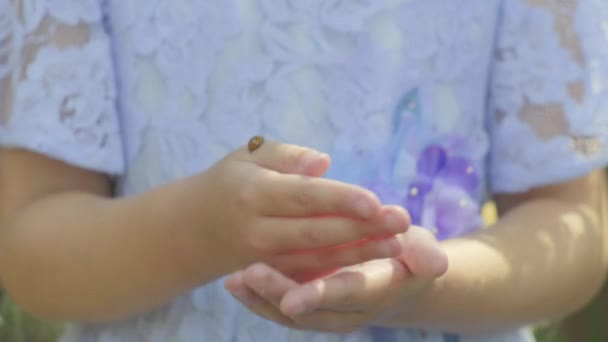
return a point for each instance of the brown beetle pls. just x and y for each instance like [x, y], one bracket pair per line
[255, 143]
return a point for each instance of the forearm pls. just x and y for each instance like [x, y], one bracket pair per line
[545, 258]
[80, 256]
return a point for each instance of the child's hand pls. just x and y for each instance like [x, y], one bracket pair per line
[355, 297]
[269, 205]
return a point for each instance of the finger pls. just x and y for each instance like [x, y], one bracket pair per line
[235, 284]
[289, 159]
[291, 234]
[268, 283]
[297, 196]
[304, 266]
[422, 253]
[355, 289]
[264, 278]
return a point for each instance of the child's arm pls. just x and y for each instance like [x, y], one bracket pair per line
[546, 257]
[547, 124]
[68, 251]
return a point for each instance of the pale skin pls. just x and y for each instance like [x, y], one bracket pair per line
[107, 259]
[69, 250]
[545, 258]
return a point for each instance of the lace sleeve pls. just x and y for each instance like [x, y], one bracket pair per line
[57, 90]
[548, 110]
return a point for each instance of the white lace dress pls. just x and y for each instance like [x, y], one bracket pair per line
[429, 103]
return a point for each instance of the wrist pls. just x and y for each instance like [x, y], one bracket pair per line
[446, 304]
[405, 311]
[181, 211]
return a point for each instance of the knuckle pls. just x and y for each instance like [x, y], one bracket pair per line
[258, 243]
[311, 235]
[304, 198]
[246, 197]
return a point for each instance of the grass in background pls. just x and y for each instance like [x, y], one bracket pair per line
[15, 326]
[550, 332]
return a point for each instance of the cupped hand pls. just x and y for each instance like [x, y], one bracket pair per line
[350, 299]
[271, 205]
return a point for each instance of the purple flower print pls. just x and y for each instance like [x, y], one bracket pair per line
[414, 200]
[441, 197]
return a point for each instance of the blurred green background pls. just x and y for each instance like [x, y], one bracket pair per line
[588, 325]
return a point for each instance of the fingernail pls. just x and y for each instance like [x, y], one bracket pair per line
[309, 159]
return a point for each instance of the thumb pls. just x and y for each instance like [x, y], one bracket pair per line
[422, 253]
[289, 159]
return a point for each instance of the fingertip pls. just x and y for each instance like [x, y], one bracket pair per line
[376, 204]
[408, 217]
[438, 261]
[315, 164]
[233, 281]
[435, 266]
[255, 273]
[423, 254]
[235, 285]
[297, 301]
[290, 305]
[402, 212]
[288, 158]
[441, 265]
[395, 219]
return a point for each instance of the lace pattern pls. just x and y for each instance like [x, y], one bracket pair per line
[410, 97]
[549, 93]
[61, 78]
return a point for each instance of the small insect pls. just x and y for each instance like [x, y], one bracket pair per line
[255, 143]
